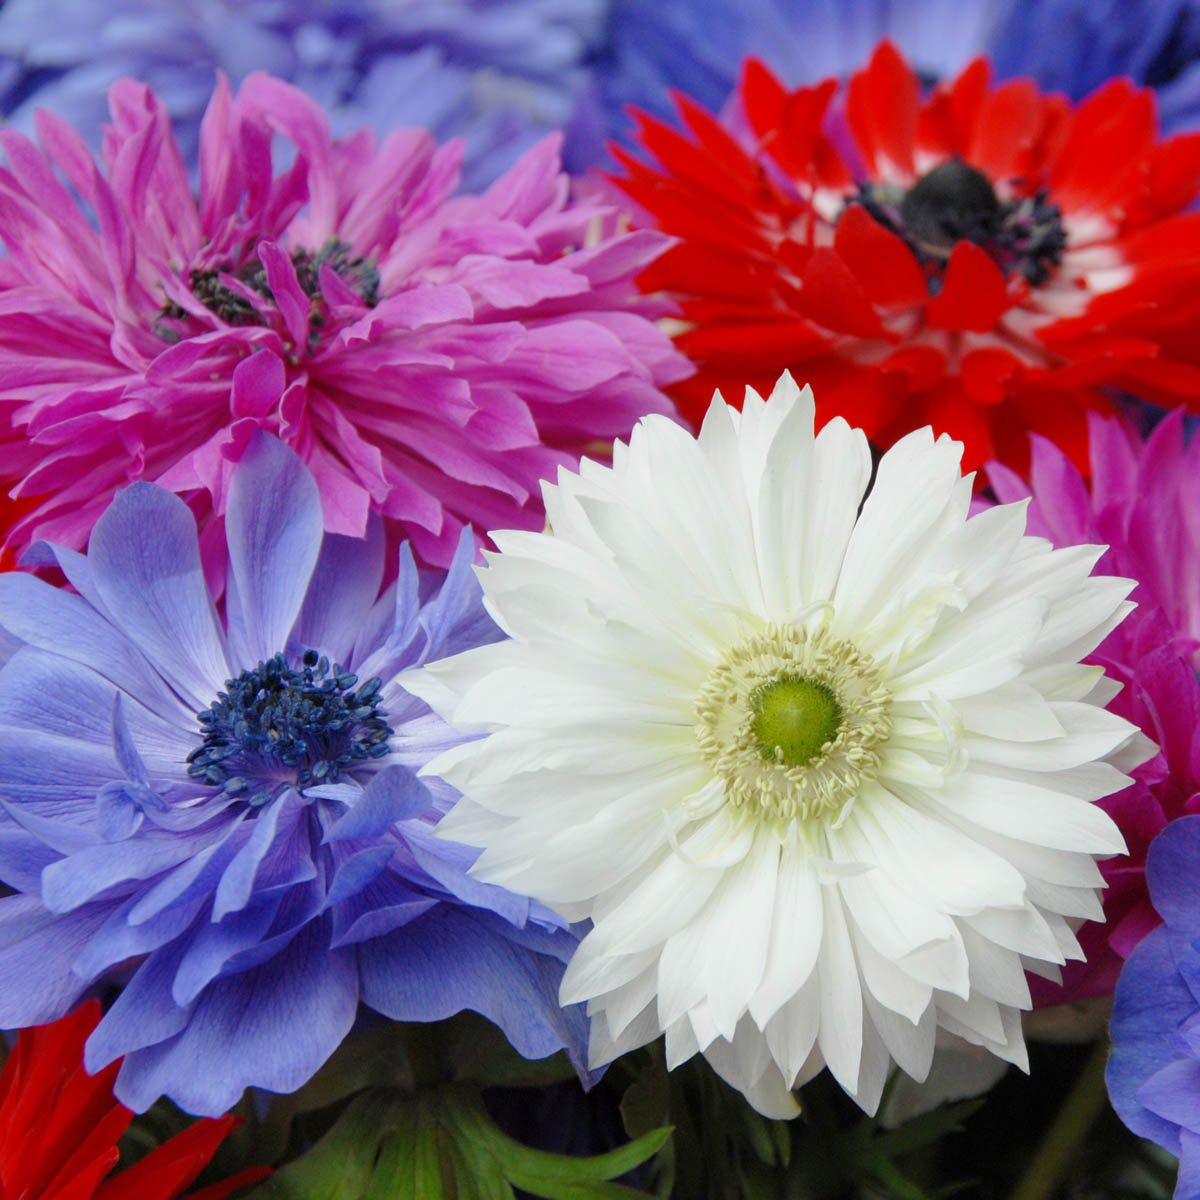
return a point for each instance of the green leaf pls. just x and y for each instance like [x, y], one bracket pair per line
[925, 1129]
[898, 1188]
[646, 1101]
[553, 1176]
[341, 1164]
[441, 1144]
[374, 1058]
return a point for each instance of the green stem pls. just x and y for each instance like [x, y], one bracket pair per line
[1083, 1105]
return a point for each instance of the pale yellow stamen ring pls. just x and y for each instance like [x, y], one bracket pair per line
[766, 784]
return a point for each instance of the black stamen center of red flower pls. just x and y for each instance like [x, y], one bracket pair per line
[955, 202]
[357, 272]
[277, 726]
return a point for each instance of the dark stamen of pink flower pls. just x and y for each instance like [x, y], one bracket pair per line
[358, 273]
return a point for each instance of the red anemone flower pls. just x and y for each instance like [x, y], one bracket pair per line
[988, 260]
[59, 1128]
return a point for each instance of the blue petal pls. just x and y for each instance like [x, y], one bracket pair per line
[30, 757]
[1151, 1002]
[87, 874]
[196, 875]
[37, 949]
[357, 871]
[1187, 1183]
[447, 961]
[118, 813]
[62, 836]
[119, 941]
[273, 525]
[142, 1015]
[270, 1028]
[23, 857]
[123, 747]
[146, 560]
[1173, 1093]
[214, 945]
[66, 625]
[449, 862]
[384, 645]
[343, 589]
[49, 694]
[376, 922]
[455, 618]
[1172, 877]
[237, 883]
[394, 794]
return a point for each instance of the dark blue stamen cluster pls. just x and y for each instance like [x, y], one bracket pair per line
[955, 202]
[276, 726]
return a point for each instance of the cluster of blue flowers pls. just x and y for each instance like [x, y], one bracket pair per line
[500, 74]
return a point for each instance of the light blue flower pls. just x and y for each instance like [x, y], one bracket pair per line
[224, 815]
[1154, 1069]
[499, 73]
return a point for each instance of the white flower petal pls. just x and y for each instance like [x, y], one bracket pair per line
[773, 905]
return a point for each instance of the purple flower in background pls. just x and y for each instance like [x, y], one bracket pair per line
[224, 815]
[1154, 1069]
[499, 73]
[698, 46]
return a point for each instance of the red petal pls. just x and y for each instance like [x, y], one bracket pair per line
[1172, 176]
[986, 373]
[948, 118]
[832, 297]
[1005, 140]
[974, 293]
[698, 270]
[718, 145]
[1100, 161]
[687, 162]
[882, 262]
[920, 366]
[753, 347]
[949, 410]
[762, 96]
[167, 1170]
[870, 400]
[881, 106]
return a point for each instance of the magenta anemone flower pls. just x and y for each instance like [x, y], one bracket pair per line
[431, 355]
[1142, 501]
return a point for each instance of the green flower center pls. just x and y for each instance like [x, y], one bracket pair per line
[794, 721]
[794, 718]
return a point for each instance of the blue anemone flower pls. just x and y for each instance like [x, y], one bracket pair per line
[224, 816]
[1154, 1069]
[498, 73]
[697, 46]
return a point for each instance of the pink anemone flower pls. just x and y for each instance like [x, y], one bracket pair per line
[429, 355]
[1142, 502]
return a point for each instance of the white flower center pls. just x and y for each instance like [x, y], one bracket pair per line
[793, 720]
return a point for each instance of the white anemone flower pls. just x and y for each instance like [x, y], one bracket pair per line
[820, 770]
